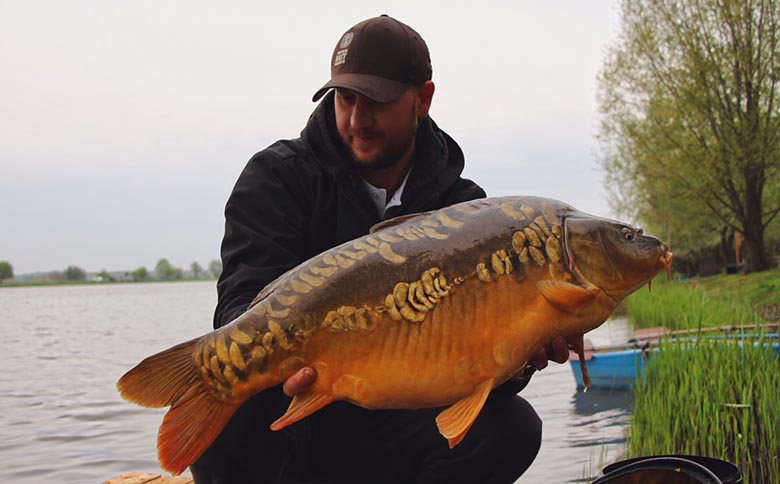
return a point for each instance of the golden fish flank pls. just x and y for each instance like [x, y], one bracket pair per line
[501, 262]
[528, 211]
[518, 241]
[361, 245]
[240, 337]
[553, 248]
[386, 251]
[448, 221]
[509, 210]
[347, 318]
[532, 236]
[412, 301]
[237, 357]
[540, 222]
[276, 313]
[483, 274]
[289, 299]
[314, 281]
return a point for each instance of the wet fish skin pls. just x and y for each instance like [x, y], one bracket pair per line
[428, 310]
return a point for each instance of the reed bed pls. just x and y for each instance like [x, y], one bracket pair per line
[718, 398]
[687, 305]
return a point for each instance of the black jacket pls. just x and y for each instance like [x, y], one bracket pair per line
[300, 197]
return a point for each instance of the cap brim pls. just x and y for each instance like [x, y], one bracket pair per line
[377, 89]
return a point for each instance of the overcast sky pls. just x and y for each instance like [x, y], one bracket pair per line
[124, 125]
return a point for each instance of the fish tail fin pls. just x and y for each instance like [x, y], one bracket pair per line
[161, 379]
[190, 427]
[195, 417]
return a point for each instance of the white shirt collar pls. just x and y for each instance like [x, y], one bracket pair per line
[379, 195]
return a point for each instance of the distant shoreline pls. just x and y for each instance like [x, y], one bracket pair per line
[85, 283]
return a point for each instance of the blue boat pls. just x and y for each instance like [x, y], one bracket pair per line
[617, 367]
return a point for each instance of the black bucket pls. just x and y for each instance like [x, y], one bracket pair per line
[670, 469]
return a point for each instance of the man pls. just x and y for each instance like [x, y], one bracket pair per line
[369, 152]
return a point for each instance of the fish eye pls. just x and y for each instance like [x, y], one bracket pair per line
[628, 234]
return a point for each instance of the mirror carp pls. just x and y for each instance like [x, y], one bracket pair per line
[427, 310]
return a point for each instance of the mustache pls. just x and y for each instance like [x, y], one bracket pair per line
[365, 133]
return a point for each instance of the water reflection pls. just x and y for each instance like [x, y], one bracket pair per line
[582, 430]
[593, 401]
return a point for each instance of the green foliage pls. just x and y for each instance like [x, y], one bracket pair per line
[713, 301]
[6, 270]
[140, 274]
[166, 272]
[74, 273]
[197, 270]
[691, 122]
[715, 398]
[215, 267]
[106, 276]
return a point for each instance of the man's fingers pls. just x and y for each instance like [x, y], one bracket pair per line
[558, 350]
[300, 381]
[539, 360]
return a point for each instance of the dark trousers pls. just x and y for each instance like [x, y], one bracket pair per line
[343, 443]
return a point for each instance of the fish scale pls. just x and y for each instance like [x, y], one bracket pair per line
[428, 310]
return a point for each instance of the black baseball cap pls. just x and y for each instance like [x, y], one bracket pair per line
[379, 58]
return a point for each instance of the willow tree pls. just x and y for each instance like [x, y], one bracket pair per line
[690, 118]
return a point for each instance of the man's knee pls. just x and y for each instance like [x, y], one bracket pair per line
[499, 448]
[514, 431]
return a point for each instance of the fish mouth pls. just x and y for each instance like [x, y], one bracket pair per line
[666, 261]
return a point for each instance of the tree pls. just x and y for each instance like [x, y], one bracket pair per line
[6, 270]
[196, 269]
[140, 274]
[691, 120]
[106, 276]
[74, 273]
[166, 272]
[215, 267]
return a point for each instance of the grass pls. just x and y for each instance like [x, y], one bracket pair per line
[711, 397]
[707, 302]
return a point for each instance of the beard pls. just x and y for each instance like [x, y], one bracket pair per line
[389, 154]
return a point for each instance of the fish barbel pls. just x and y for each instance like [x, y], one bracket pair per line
[427, 310]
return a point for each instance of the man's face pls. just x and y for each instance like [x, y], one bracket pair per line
[377, 134]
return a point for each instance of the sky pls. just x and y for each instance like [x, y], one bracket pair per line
[124, 125]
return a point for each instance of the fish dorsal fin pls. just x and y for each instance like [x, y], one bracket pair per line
[397, 221]
[456, 421]
[301, 407]
[566, 296]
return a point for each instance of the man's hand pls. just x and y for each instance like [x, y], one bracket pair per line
[300, 381]
[557, 351]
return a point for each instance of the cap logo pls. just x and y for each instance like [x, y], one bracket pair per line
[341, 54]
[346, 40]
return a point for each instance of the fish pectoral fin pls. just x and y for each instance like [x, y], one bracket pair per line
[566, 296]
[301, 407]
[456, 421]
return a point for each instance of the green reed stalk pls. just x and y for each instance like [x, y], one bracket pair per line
[716, 398]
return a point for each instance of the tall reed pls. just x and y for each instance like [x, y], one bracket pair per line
[715, 398]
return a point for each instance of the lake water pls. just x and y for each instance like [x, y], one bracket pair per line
[64, 348]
